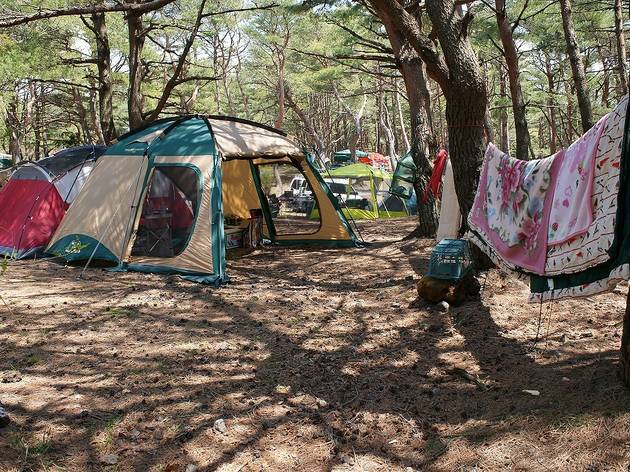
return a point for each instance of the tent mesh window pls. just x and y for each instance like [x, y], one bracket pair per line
[291, 200]
[168, 213]
[404, 177]
[450, 260]
[65, 160]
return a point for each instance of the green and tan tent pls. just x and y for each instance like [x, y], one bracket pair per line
[158, 199]
[364, 192]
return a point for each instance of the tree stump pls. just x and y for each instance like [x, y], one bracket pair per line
[624, 361]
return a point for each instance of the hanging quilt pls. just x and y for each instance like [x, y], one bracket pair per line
[512, 207]
[591, 248]
[605, 275]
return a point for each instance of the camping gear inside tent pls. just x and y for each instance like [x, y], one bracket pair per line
[169, 197]
[36, 197]
[364, 192]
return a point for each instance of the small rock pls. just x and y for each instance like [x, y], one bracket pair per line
[134, 434]
[111, 459]
[346, 459]
[322, 403]
[443, 307]
[4, 418]
[191, 468]
[395, 305]
[535, 393]
[219, 425]
[284, 389]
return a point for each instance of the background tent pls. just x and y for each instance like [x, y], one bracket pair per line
[5, 161]
[345, 156]
[364, 190]
[35, 199]
[159, 198]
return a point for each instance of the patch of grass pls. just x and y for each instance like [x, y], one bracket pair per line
[434, 447]
[574, 421]
[30, 449]
[124, 311]
[106, 437]
[32, 360]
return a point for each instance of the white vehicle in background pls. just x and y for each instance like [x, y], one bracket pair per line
[299, 187]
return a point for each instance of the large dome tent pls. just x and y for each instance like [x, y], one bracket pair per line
[159, 197]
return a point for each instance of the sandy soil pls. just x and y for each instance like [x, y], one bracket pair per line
[315, 360]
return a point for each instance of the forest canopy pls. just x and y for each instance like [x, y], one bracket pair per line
[330, 73]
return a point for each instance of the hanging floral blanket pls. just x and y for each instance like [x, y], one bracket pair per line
[512, 207]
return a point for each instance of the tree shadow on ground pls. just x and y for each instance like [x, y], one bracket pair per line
[350, 378]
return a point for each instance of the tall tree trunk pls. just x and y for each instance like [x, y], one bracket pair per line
[37, 122]
[466, 99]
[281, 93]
[95, 118]
[551, 106]
[320, 146]
[135, 100]
[82, 113]
[401, 118]
[12, 123]
[413, 73]
[511, 60]
[624, 364]
[105, 78]
[621, 48]
[577, 66]
[503, 114]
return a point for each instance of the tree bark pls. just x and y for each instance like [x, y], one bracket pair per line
[516, 92]
[308, 124]
[577, 66]
[621, 48]
[105, 78]
[551, 106]
[503, 114]
[135, 100]
[401, 119]
[466, 99]
[82, 114]
[280, 91]
[412, 71]
[624, 364]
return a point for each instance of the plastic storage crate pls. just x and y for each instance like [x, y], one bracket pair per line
[450, 260]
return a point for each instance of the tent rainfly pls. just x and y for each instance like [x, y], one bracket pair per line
[156, 200]
[36, 197]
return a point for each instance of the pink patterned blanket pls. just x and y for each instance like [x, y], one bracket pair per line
[513, 205]
[572, 208]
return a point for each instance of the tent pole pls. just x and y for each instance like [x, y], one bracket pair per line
[98, 242]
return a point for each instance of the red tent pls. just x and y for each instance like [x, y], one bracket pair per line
[36, 198]
[31, 210]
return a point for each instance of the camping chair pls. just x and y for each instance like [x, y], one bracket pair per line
[158, 229]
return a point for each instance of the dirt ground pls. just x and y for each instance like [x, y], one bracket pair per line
[314, 360]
